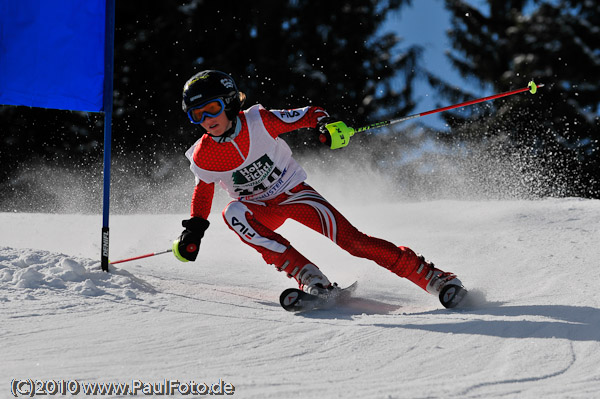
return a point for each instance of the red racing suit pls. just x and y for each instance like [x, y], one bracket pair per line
[258, 171]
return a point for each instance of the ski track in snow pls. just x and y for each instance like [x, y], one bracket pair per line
[531, 327]
[523, 380]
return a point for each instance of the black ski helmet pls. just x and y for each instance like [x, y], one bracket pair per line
[210, 84]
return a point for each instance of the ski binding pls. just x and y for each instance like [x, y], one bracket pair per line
[296, 300]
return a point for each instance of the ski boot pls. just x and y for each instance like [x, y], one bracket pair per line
[312, 281]
[445, 285]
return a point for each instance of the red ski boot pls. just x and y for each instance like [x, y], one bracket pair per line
[435, 281]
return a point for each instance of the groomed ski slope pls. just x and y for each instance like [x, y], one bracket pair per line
[532, 329]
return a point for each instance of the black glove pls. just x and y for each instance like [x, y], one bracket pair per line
[186, 247]
[324, 135]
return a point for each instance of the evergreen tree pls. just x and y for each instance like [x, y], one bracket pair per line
[282, 54]
[503, 45]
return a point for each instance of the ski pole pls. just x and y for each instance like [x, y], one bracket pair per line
[141, 256]
[340, 133]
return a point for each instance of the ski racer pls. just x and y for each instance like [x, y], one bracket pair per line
[241, 150]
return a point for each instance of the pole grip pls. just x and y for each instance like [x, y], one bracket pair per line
[337, 136]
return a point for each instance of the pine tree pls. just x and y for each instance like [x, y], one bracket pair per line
[503, 45]
[282, 54]
[295, 53]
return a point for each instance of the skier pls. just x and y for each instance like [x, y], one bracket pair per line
[242, 151]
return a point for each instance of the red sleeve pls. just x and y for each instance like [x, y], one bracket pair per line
[281, 121]
[202, 199]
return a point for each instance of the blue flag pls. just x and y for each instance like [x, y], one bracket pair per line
[52, 53]
[59, 54]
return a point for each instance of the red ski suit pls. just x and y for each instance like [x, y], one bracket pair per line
[255, 166]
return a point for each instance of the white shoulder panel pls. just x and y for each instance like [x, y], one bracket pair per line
[290, 115]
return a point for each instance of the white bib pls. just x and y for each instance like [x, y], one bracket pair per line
[268, 170]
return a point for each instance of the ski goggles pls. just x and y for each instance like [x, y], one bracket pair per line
[212, 108]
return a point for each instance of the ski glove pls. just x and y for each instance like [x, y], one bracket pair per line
[334, 134]
[186, 247]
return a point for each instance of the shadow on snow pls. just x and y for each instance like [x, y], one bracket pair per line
[575, 323]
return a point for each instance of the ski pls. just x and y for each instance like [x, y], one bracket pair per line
[296, 300]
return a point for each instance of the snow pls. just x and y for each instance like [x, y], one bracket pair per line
[531, 328]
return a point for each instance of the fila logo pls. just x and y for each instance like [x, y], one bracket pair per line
[289, 113]
[242, 228]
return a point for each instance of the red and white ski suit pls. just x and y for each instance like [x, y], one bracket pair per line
[257, 169]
